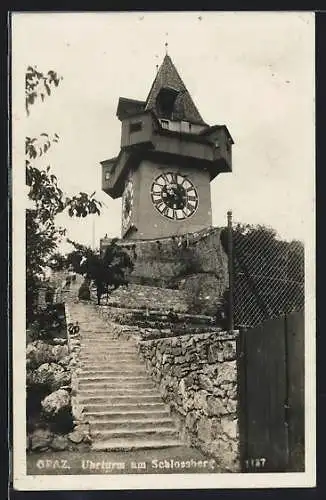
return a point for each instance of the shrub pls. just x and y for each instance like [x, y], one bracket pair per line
[49, 323]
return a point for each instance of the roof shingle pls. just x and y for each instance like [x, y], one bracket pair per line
[184, 107]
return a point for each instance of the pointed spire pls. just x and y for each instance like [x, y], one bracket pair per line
[168, 78]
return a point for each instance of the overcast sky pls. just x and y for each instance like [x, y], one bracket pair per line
[253, 72]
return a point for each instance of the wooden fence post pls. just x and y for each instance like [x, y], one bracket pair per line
[231, 270]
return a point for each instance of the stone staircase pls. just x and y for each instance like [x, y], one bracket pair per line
[121, 403]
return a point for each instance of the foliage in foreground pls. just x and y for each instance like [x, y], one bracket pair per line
[42, 234]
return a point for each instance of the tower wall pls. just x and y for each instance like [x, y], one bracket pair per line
[149, 222]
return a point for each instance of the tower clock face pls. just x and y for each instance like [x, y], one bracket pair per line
[174, 196]
[127, 203]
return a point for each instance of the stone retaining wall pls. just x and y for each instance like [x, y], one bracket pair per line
[204, 293]
[138, 296]
[197, 376]
[194, 264]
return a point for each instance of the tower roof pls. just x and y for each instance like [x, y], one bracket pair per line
[170, 86]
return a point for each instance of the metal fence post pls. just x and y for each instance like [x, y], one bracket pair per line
[230, 268]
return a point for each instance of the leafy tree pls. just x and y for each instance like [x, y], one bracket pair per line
[107, 271]
[42, 234]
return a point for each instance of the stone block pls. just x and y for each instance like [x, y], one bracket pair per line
[229, 350]
[210, 371]
[204, 430]
[190, 380]
[225, 454]
[215, 406]
[205, 382]
[212, 354]
[230, 427]
[182, 388]
[59, 352]
[219, 392]
[227, 372]
[179, 360]
[231, 406]
[59, 443]
[41, 439]
[232, 392]
[188, 403]
[191, 420]
[76, 436]
[60, 341]
[200, 401]
[38, 353]
[56, 402]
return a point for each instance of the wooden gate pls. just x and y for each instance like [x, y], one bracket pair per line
[271, 392]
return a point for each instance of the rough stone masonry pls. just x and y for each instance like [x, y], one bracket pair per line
[197, 376]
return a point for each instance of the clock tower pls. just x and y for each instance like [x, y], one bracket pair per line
[168, 157]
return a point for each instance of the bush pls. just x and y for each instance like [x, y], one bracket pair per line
[49, 323]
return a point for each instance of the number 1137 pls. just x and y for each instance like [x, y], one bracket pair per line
[257, 463]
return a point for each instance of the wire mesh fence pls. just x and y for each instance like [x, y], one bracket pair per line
[268, 275]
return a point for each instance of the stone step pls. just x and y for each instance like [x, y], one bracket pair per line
[115, 386]
[103, 354]
[127, 432]
[115, 343]
[116, 367]
[103, 340]
[103, 329]
[135, 415]
[116, 378]
[108, 343]
[110, 360]
[131, 425]
[92, 326]
[106, 351]
[123, 372]
[116, 391]
[119, 444]
[118, 399]
[107, 340]
[123, 406]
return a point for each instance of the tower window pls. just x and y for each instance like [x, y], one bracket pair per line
[165, 101]
[107, 175]
[135, 127]
[165, 123]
